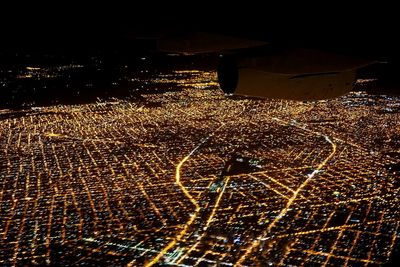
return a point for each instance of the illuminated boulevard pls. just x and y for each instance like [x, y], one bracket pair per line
[188, 176]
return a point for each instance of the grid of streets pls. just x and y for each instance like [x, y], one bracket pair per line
[154, 181]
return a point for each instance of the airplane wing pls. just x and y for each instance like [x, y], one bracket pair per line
[255, 68]
[204, 42]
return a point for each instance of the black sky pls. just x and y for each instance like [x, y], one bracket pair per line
[77, 25]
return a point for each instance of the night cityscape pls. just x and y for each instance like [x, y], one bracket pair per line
[199, 134]
[187, 176]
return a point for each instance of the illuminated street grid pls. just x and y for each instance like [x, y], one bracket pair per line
[140, 183]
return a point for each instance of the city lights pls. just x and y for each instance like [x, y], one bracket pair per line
[154, 181]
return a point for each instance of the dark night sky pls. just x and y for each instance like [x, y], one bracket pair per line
[63, 24]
